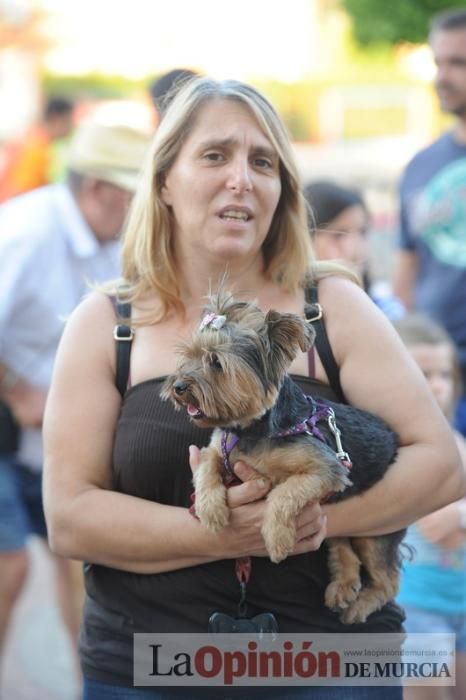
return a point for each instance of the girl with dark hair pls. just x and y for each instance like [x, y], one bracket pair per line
[339, 221]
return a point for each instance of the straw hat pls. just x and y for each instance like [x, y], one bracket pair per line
[110, 152]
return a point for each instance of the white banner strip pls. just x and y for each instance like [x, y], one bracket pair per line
[294, 659]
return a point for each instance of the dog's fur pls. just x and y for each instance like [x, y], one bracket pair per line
[235, 378]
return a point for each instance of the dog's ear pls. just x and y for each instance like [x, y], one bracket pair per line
[287, 333]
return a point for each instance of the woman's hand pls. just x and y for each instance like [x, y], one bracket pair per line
[310, 523]
[242, 536]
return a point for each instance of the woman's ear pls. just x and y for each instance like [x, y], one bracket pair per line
[166, 196]
[165, 193]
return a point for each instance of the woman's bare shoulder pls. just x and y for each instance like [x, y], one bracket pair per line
[350, 315]
[89, 329]
[337, 290]
[96, 308]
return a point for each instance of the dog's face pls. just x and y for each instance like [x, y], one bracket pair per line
[231, 372]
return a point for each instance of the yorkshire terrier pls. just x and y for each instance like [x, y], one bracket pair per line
[233, 377]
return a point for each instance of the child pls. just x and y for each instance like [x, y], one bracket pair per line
[433, 585]
[339, 223]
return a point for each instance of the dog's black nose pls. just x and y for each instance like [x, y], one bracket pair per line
[180, 386]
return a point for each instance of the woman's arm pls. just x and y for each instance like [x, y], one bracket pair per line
[85, 519]
[445, 527]
[379, 375]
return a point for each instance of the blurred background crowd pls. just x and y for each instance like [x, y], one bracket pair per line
[351, 78]
[82, 89]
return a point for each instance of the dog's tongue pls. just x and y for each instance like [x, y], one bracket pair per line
[192, 410]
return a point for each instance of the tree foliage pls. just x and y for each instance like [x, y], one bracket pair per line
[394, 21]
[92, 86]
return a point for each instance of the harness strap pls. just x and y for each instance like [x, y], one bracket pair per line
[319, 412]
[229, 440]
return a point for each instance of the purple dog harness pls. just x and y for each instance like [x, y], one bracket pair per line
[319, 412]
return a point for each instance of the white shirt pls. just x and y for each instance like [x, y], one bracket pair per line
[48, 258]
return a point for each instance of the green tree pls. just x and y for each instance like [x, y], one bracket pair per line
[394, 21]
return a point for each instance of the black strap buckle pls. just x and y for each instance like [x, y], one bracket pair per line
[310, 310]
[123, 333]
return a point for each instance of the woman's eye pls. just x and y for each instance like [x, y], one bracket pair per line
[214, 156]
[215, 362]
[263, 163]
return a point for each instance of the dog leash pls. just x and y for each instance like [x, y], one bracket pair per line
[243, 565]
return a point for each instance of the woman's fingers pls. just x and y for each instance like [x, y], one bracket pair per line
[311, 524]
[311, 515]
[248, 492]
[311, 541]
[245, 472]
[311, 529]
[194, 453]
[308, 539]
[253, 488]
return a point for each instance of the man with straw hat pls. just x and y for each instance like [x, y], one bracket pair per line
[54, 242]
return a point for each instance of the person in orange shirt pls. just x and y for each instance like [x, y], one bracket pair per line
[29, 162]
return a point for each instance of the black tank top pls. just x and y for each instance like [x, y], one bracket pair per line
[150, 460]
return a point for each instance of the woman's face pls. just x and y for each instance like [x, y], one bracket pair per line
[436, 363]
[224, 186]
[344, 238]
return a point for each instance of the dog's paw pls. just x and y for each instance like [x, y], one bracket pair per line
[339, 595]
[368, 602]
[356, 613]
[212, 510]
[279, 541]
[215, 521]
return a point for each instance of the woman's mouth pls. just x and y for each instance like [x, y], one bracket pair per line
[235, 213]
[235, 216]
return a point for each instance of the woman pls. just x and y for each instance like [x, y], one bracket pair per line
[339, 223]
[219, 196]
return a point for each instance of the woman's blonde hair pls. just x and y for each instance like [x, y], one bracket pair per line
[148, 262]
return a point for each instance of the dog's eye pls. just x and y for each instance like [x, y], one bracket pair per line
[215, 362]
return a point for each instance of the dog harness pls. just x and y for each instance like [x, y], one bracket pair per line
[319, 412]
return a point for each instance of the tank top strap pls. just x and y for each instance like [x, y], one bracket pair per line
[314, 314]
[123, 335]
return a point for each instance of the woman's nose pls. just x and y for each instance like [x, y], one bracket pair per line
[239, 176]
